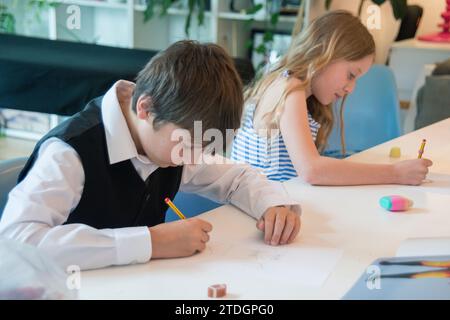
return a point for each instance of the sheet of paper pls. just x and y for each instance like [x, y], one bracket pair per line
[302, 263]
[236, 255]
[436, 183]
[417, 247]
[296, 264]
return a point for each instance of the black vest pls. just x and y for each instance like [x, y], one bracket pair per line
[114, 196]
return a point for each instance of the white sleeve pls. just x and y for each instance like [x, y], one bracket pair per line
[223, 180]
[39, 205]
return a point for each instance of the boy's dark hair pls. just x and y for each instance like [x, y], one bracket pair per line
[190, 82]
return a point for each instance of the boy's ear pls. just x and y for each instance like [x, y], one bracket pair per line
[143, 106]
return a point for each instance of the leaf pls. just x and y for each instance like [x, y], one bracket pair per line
[399, 7]
[7, 22]
[187, 26]
[249, 22]
[274, 17]
[165, 5]
[255, 9]
[149, 10]
[268, 36]
[201, 12]
[261, 49]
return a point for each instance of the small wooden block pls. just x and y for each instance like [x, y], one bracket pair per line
[217, 291]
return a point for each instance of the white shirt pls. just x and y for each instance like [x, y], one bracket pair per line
[39, 205]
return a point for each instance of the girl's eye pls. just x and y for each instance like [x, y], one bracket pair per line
[351, 76]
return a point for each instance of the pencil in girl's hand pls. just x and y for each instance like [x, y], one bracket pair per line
[422, 148]
[174, 208]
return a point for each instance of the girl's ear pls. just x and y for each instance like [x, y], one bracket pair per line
[143, 106]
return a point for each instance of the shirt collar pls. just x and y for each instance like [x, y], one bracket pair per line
[119, 142]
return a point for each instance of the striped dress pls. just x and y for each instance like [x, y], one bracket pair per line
[269, 155]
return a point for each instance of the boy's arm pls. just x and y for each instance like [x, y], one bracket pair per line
[225, 181]
[39, 205]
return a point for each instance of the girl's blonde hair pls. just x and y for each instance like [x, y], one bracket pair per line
[337, 35]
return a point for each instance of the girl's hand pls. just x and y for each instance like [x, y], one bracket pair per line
[411, 172]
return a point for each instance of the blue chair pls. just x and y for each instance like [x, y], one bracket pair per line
[190, 205]
[371, 113]
[9, 171]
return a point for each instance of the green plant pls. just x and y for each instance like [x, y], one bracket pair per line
[39, 6]
[270, 25]
[7, 20]
[164, 5]
[2, 124]
[398, 6]
[271, 18]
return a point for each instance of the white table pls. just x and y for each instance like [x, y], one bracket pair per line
[348, 219]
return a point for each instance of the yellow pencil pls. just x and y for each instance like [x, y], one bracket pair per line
[422, 148]
[174, 208]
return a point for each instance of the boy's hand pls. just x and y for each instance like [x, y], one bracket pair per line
[179, 238]
[280, 225]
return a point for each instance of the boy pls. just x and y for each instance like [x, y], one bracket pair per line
[92, 193]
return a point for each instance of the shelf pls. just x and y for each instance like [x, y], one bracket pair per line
[235, 16]
[94, 3]
[170, 11]
[222, 26]
[245, 17]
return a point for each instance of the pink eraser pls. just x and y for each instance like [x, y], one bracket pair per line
[396, 203]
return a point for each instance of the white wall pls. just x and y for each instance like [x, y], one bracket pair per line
[432, 10]
[389, 26]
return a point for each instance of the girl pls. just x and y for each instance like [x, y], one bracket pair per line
[288, 116]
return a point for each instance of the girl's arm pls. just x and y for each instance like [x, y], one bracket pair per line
[318, 170]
